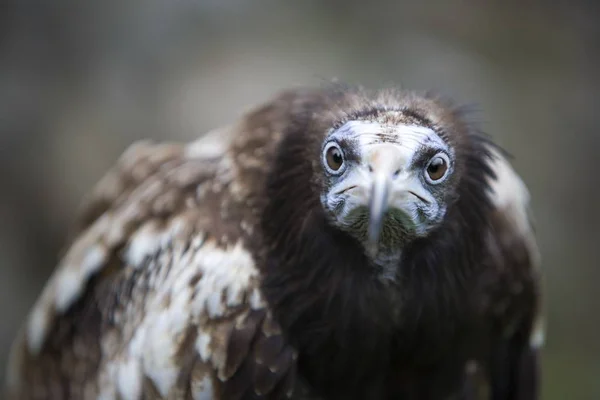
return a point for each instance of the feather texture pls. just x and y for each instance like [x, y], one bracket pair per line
[210, 271]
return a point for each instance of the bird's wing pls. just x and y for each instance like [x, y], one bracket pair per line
[514, 290]
[157, 296]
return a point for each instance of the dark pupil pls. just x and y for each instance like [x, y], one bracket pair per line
[334, 158]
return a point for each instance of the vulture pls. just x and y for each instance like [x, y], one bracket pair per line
[333, 243]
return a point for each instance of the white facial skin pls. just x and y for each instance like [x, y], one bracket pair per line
[385, 190]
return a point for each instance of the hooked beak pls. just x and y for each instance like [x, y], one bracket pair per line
[378, 206]
[385, 163]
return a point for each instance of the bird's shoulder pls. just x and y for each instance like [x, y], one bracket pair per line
[515, 284]
[158, 292]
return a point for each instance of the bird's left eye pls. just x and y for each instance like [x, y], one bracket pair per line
[334, 158]
[437, 168]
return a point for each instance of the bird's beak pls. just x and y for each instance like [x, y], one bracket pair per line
[384, 163]
[380, 191]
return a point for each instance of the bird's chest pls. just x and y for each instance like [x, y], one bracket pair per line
[420, 361]
[432, 347]
[441, 381]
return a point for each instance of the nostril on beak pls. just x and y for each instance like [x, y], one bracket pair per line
[396, 173]
[370, 168]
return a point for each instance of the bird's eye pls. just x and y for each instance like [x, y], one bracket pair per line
[437, 168]
[334, 158]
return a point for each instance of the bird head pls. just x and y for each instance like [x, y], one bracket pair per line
[388, 178]
[384, 170]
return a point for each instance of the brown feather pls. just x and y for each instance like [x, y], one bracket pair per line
[220, 274]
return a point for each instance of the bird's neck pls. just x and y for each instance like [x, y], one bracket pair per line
[323, 293]
[386, 261]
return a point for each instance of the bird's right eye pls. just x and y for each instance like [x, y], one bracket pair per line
[334, 158]
[437, 168]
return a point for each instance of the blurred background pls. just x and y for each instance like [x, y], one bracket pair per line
[81, 80]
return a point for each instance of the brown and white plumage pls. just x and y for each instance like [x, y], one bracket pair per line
[211, 271]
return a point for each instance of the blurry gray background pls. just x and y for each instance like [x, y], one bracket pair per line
[79, 81]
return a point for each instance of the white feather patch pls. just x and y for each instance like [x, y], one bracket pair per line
[149, 239]
[538, 335]
[68, 287]
[510, 195]
[129, 380]
[510, 192]
[70, 280]
[203, 389]
[176, 305]
[37, 325]
[83, 259]
[213, 144]
[203, 346]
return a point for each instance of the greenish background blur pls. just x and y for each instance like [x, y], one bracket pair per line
[80, 80]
